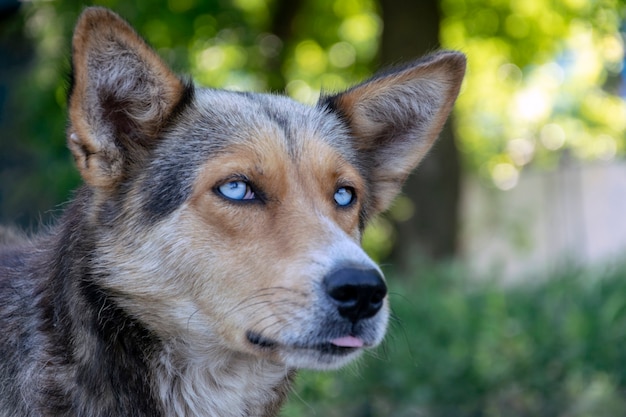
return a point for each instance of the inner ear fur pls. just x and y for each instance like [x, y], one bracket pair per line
[121, 96]
[396, 116]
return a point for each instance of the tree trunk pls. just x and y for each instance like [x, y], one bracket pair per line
[284, 14]
[411, 29]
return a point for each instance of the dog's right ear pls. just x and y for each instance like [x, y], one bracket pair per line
[121, 96]
[396, 116]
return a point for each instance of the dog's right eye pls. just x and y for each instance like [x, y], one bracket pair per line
[236, 190]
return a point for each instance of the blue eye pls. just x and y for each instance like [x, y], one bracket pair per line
[344, 196]
[237, 190]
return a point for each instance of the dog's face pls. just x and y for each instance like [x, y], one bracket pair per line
[233, 221]
[266, 231]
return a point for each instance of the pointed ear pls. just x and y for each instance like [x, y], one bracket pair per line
[396, 116]
[121, 96]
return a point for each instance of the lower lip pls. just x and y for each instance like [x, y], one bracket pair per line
[334, 350]
[340, 346]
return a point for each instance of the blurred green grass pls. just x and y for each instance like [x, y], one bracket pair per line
[461, 347]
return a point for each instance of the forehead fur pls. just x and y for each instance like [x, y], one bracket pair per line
[216, 120]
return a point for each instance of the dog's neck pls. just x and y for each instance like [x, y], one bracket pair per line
[138, 369]
[191, 384]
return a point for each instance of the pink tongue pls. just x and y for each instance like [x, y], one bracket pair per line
[347, 341]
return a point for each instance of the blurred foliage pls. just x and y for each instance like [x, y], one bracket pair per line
[544, 77]
[460, 347]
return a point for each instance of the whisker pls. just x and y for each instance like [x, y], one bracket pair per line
[295, 393]
[263, 292]
[190, 317]
[280, 303]
[401, 296]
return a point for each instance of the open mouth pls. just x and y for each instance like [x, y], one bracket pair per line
[336, 347]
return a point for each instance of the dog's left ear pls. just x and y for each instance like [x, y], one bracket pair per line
[122, 95]
[396, 116]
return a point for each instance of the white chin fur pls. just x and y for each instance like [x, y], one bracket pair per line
[318, 361]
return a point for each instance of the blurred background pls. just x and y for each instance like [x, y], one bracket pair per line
[505, 254]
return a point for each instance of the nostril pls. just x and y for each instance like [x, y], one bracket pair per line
[343, 292]
[379, 296]
[357, 293]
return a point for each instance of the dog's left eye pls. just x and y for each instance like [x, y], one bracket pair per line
[344, 196]
[237, 190]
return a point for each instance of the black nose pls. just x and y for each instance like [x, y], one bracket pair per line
[357, 293]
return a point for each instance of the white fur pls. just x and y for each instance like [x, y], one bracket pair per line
[217, 383]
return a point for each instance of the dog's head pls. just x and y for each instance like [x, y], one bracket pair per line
[233, 220]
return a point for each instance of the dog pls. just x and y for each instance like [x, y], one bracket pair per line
[214, 248]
